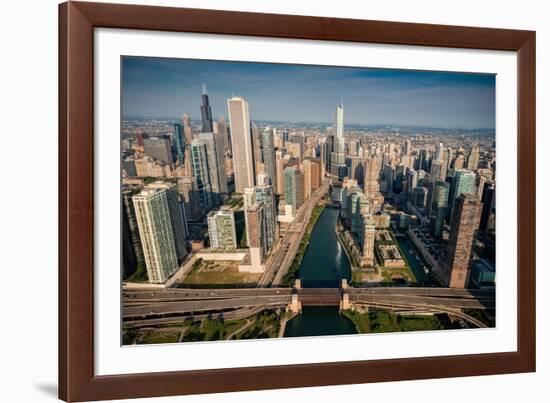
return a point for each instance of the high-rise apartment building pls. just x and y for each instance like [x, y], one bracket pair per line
[268, 155]
[488, 198]
[199, 162]
[464, 226]
[439, 207]
[256, 236]
[367, 236]
[357, 169]
[187, 188]
[222, 230]
[156, 234]
[388, 177]
[439, 152]
[132, 249]
[177, 215]
[372, 174]
[464, 181]
[293, 188]
[473, 159]
[438, 170]
[279, 168]
[220, 128]
[179, 143]
[220, 144]
[256, 148]
[216, 170]
[241, 143]
[187, 128]
[307, 178]
[264, 194]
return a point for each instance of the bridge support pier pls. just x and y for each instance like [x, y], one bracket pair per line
[345, 284]
[344, 302]
[297, 283]
[295, 304]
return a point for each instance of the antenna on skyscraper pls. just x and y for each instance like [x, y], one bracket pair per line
[204, 89]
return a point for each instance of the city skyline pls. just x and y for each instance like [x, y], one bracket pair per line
[155, 87]
[236, 228]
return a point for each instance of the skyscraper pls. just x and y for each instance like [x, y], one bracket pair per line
[187, 188]
[177, 215]
[241, 142]
[279, 168]
[158, 148]
[293, 188]
[438, 170]
[216, 171]
[264, 194]
[408, 147]
[256, 236]
[187, 128]
[357, 169]
[463, 182]
[179, 142]
[256, 148]
[372, 173]
[206, 112]
[439, 152]
[132, 249]
[220, 128]
[488, 198]
[307, 178]
[338, 156]
[220, 143]
[268, 155]
[367, 236]
[156, 234]
[221, 229]
[420, 196]
[464, 226]
[388, 176]
[199, 160]
[473, 159]
[328, 149]
[439, 207]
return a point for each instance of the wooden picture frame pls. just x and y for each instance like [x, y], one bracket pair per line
[77, 21]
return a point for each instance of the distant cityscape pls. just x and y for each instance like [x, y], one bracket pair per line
[235, 228]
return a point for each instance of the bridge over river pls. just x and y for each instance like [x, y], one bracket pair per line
[323, 293]
[142, 307]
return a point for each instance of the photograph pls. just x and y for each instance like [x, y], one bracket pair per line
[269, 200]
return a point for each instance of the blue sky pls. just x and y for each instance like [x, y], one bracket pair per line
[157, 87]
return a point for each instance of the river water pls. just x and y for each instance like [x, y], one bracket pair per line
[324, 264]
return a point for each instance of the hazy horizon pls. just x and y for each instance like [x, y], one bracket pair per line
[167, 88]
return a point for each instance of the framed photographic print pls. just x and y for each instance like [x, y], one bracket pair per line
[254, 201]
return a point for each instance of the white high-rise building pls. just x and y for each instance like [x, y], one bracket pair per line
[439, 151]
[221, 229]
[155, 231]
[241, 142]
[338, 156]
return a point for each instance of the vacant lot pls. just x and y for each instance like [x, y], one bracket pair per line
[219, 273]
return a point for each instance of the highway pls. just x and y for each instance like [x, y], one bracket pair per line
[281, 258]
[429, 291]
[420, 301]
[181, 294]
[151, 307]
[175, 307]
